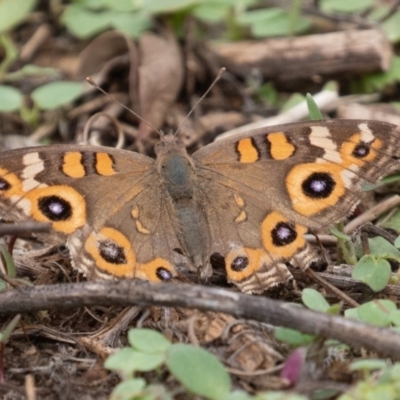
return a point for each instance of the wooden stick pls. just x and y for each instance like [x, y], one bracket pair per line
[130, 292]
[310, 56]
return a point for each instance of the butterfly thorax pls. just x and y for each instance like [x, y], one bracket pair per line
[178, 174]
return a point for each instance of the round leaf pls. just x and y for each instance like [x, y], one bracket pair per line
[368, 364]
[133, 24]
[199, 371]
[212, 12]
[148, 341]
[56, 94]
[314, 300]
[10, 99]
[381, 247]
[85, 24]
[129, 360]
[13, 12]
[127, 390]
[120, 5]
[167, 6]
[238, 395]
[373, 272]
[346, 6]
[377, 312]
[293, 337]
[391, 27]
[395, 317]
[352, 313]
[253, 16]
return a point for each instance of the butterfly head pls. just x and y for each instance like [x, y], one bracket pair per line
[169, 144]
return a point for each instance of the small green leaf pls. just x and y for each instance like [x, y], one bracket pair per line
[280, 395]
[395, 317]
[85, 24]
[352, 313]
[238, 395]
[331, 86]
[267, 93]
[128, 389]
[314, 300]
[279, 27]
[373, 272]
[10, 99]
[199, 371]
[56, 94]
[395, 371]
[9, 328]
[345, 6]
[367, 365]
[13, 12]
[93, 4]
[313, 110]
[253, 16]
[392, 178]
[292, 101]
[129, 360]
[30, 70]
[334, 309]
[133, 24]
[380, 247]
[211, 12]
[148, 341]
[273, 21]
[293, 337]
[379, 80]
[376, 312]
[10, 266]
[122, 6]
[392, 221]
[378, 14]
[166, 6]
[391, 27]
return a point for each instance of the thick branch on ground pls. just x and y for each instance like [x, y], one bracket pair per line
[286, 59]
[128, 292]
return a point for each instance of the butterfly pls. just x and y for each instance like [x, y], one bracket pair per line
[249, 199]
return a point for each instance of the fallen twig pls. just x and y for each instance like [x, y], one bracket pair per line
[130, 292]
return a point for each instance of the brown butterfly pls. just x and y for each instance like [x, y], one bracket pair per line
[249, 198]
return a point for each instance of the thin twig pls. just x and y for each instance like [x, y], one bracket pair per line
[373, 213]
[336, 291]
[24, 228]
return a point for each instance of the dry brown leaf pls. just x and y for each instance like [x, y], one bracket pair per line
[102, 51]
[155, 76]
[161, 76]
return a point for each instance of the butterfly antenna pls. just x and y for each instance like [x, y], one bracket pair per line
[218, 77]
[93, 83]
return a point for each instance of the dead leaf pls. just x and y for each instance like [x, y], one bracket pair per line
[155, 76]
[101, 51]
[161, 75]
